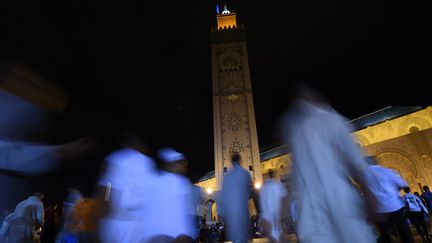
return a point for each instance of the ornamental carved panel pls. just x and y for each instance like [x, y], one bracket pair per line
[406, 124]
[234, 121]
[236, 147]
[230, 72]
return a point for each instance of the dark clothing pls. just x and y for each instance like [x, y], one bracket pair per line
[386, 220]
[417, 219]
[50, 226]
[427, 197]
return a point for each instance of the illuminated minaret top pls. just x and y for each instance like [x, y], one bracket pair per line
[226, 19]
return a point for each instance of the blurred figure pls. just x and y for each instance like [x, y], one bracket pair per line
[175, 215]
[65, 226]
[271, 196]
[74, 195]
[287, 222]
[234, 197]
[293, 213]
[427, 197]
[84, 220]
[386, 184]
[197, 201]
[324, 158]
[50, 226]
[416, 213]
[20, 159]
[26, 219]
[129, 185]
[20, 118]
[254, 226]
[4, 230]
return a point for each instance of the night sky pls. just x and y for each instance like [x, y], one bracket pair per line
[146, 65]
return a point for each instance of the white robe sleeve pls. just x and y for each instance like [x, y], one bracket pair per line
[346, 145]
[26, 157]
[398, 180]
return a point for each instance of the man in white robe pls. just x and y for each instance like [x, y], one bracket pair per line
[325, 159]
[271, 196]
[173, 213]
[129, 182]
[389, 211]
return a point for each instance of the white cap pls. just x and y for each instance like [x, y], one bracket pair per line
[169, 155]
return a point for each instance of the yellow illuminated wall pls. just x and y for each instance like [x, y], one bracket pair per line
[208, 184]
[416, 121]
[403, 144]
[226, 20]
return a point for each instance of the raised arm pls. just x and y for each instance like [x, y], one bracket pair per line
[40, 213]
[32, 158]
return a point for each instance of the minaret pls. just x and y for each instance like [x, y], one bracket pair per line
[233, 110]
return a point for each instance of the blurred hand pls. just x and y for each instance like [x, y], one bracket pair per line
[77, 148]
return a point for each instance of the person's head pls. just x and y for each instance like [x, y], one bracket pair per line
[72, 190]
[173, 161]
[426, 188]
[132, 140]
[39, 195]
[303, 90]
[407, 189]
[235, 158]
[272, 174]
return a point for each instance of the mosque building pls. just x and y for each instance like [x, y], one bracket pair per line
[398, 137]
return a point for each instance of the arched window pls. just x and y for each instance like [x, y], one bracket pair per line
[413, 129]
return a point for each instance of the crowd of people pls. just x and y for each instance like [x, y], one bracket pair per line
[337, 194]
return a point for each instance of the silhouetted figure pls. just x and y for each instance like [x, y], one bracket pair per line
[416, 212]
[51, 224]
[427, 197]
[197, 200]
[234, 197]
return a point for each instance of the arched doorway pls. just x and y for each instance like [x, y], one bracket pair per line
[210, 212]
[402, 164]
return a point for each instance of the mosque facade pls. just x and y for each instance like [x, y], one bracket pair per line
[398, 137]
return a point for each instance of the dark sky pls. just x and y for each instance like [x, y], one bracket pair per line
[146, 64]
